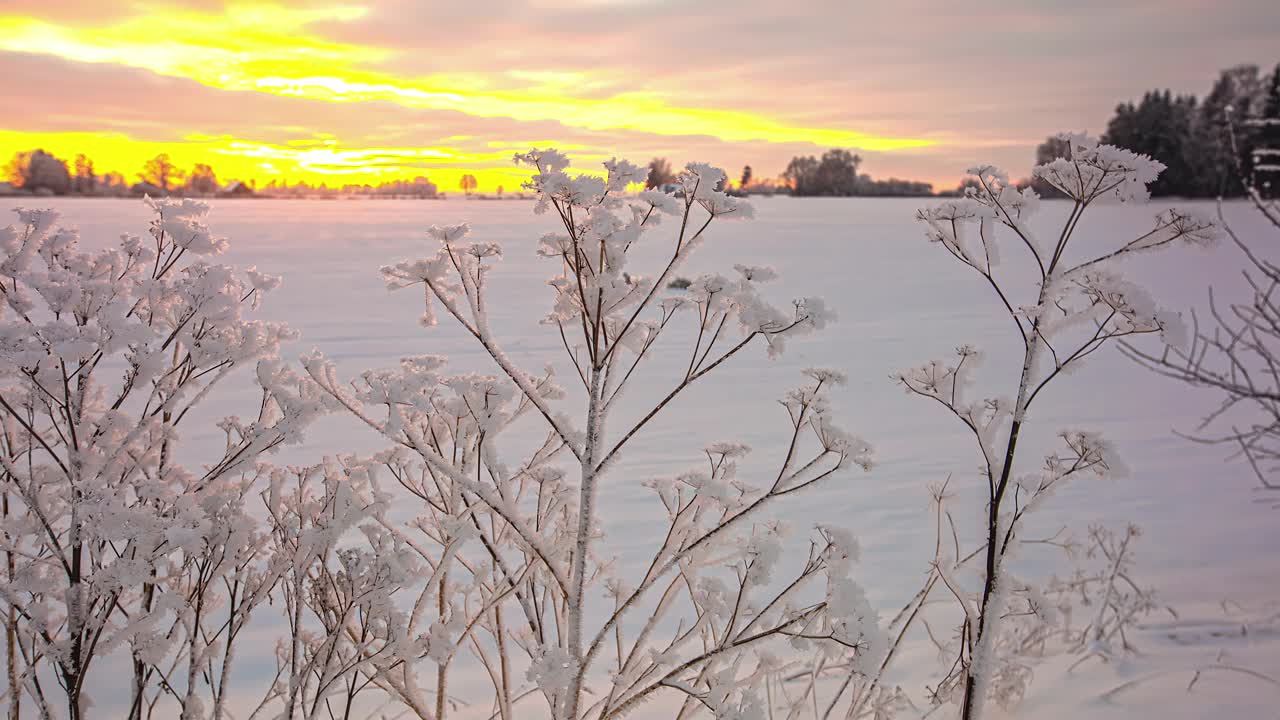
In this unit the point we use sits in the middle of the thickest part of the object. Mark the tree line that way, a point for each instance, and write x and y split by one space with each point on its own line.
42 173
1207 146
834 174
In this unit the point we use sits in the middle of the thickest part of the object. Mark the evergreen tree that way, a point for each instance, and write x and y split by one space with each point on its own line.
1160 126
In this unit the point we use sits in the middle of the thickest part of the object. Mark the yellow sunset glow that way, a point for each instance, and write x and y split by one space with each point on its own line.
237 159
282 52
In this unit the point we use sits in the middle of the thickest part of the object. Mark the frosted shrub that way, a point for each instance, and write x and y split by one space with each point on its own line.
113 543
338 596
516 570
1064 308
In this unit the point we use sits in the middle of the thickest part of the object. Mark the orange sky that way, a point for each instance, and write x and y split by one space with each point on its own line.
369 90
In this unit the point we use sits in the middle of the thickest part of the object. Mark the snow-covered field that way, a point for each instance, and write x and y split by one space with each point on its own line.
1209 545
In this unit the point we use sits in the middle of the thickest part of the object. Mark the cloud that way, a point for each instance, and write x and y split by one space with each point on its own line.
122 115
736 82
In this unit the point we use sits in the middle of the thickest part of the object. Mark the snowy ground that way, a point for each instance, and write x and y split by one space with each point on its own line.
1208 540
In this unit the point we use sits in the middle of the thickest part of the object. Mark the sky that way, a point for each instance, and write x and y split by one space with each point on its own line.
363 91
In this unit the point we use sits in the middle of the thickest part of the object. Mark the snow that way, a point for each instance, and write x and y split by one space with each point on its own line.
1209 538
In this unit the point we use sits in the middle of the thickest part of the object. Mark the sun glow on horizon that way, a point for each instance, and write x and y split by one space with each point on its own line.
278 51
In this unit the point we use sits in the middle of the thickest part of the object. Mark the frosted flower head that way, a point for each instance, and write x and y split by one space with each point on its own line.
1096 452
728 450
756 273
483 250
814 313
186 208
448 234
700 180
551 670
546 161
623 173
991 179
842 547
1189 226
262 281
722 206
38 219
1096 171
664 203
827 376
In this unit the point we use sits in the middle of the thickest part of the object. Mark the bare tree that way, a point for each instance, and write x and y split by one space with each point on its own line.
202 180
660 173
39 171
1236 350
85 181
161 172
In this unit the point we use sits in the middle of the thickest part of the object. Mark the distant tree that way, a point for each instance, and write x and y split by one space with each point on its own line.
838 172
800 173
468 183
422 187
835 174
113 183
39 171
162 173
969 183
202 180
660 173
746 177
893 187
1046 152
85 182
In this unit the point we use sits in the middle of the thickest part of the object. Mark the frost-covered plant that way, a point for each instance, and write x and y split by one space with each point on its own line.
338 597
113 542
517 552
1076 306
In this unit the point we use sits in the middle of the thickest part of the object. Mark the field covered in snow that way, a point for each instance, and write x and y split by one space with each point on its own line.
1208 544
